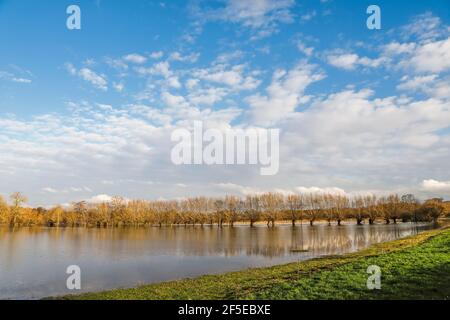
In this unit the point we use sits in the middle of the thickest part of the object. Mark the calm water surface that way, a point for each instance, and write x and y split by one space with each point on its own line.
33 261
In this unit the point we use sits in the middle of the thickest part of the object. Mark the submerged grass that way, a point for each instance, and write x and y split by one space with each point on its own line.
417 267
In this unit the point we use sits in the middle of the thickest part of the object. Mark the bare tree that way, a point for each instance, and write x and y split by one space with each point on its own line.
271 202
382 208
341 204
253 209
370 204
409 206
231 206
117 210
294 203
219 206
392 208
434 209
327 205
360 209
80 209
312 206
201 210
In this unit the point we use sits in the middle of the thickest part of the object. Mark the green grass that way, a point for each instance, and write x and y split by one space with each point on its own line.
416 267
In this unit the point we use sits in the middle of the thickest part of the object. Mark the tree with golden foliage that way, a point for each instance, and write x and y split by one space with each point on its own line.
271 207
17 199
55 216
433 209
4 211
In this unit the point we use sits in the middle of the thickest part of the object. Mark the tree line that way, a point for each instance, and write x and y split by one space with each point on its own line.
229 210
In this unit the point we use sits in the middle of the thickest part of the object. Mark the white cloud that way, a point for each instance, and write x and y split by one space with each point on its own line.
207 96
308 51
261 17
11 77
378 122
21 80
432 85
117 64
434 185
118 86
350 61
174 82
157 55
344 61
229 56
101 198
177 56
432 57
284 95
427 49
98 81
233 77
330 190
174 101
355 137
396 48
219 74
135 58
67 190
94 78
162 69
416 82
247 190
192 83
425 27
237 189
308 16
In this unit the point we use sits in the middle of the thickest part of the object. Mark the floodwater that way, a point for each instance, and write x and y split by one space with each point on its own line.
34 261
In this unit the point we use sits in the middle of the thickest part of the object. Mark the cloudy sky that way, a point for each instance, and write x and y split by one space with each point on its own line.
86 114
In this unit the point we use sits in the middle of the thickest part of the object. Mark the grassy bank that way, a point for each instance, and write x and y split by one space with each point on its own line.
416 267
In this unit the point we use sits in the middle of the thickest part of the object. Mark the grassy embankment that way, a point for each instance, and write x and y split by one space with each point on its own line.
417 267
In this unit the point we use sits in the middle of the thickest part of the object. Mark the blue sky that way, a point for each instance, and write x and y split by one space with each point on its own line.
89 112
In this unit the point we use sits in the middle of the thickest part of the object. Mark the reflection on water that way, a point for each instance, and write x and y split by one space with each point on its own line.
33 261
